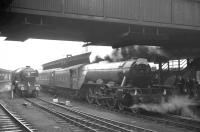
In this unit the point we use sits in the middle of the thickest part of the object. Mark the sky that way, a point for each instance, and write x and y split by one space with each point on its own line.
35 52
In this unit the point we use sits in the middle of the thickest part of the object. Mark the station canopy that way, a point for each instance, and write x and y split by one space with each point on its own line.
19 27
177 42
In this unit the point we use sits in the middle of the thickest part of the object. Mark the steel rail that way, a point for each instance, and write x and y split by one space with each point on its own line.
174 120
79 121
180 118
22 126
171 120
115 124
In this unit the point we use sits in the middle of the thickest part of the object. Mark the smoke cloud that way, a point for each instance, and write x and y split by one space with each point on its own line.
136 51
149 52
106 58
116 55
175 103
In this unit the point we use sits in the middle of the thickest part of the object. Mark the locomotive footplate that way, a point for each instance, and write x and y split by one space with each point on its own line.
103 97
130 96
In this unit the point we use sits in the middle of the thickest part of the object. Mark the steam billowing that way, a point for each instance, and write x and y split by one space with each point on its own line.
175 103
136 51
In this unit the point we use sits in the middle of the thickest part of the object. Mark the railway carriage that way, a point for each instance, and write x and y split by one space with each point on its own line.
120 84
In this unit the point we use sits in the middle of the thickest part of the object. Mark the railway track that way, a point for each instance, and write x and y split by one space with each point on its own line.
168 119
86 121
175 120
10 122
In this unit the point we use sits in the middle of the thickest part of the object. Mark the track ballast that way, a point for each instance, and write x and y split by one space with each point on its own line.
10 122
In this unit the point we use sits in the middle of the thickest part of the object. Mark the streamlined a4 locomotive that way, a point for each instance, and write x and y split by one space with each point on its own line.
120 84
24 81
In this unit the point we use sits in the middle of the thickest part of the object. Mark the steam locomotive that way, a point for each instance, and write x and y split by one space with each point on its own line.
24 81
115 84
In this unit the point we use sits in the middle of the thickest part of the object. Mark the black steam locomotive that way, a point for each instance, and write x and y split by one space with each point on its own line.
116 84
24 81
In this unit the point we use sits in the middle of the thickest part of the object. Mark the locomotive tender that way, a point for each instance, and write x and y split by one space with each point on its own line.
120 84
24 81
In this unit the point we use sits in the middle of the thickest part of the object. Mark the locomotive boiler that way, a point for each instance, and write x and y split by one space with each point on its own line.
24 81
116 84
132 73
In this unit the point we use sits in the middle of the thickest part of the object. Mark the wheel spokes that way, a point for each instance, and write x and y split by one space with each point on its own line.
100 102
98 94
111 103
121 106
90 96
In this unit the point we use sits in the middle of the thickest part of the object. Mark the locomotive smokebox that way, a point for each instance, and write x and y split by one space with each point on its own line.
24 81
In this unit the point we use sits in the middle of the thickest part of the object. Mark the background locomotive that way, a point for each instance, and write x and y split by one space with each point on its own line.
24 81
186 81
120 84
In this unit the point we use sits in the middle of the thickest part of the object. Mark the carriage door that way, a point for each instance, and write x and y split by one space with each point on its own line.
52 78
74 78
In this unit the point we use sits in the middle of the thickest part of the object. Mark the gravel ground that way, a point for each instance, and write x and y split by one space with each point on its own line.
116 116
45 122
39 119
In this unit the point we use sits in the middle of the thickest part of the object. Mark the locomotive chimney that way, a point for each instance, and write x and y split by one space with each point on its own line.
68 55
